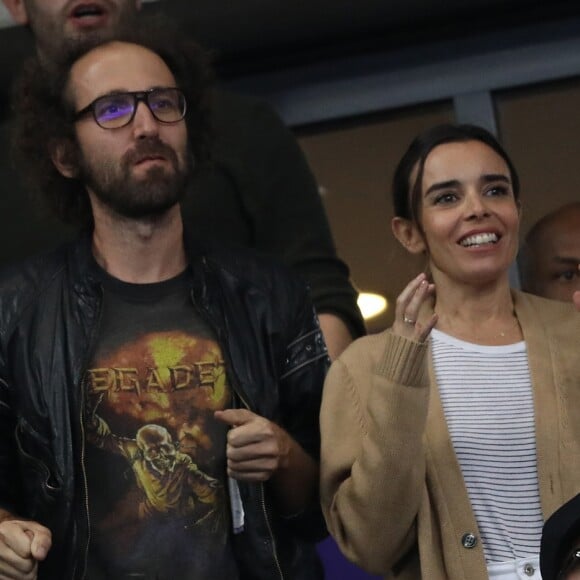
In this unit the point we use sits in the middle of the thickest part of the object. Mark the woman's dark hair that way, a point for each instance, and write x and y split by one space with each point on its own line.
407 195
44 117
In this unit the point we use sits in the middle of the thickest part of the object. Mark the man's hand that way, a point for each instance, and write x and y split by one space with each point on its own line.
256 447
259 450
22 545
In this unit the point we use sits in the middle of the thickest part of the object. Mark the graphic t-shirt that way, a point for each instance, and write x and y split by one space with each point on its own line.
155 455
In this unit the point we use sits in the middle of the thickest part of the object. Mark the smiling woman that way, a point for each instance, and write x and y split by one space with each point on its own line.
467 224
456 431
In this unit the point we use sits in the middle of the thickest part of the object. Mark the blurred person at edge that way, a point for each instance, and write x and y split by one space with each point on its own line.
464 417
549 259
258 192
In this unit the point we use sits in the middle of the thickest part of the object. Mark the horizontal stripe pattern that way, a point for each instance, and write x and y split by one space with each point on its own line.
488 403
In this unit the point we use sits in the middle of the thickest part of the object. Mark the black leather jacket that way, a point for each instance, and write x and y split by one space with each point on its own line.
49 319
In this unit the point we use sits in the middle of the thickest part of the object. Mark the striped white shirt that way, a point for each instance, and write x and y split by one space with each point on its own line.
487 399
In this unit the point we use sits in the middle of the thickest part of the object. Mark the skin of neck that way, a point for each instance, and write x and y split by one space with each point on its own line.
139 251
463 306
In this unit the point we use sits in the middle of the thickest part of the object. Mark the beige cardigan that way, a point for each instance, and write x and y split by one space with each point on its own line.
390 480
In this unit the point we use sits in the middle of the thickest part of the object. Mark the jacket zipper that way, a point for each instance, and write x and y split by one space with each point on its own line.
85 483
229 369
83 386
272 539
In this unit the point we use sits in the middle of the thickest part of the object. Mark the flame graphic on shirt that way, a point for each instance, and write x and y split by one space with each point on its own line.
160 374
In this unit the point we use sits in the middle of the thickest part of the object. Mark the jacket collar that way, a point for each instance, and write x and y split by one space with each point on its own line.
81 261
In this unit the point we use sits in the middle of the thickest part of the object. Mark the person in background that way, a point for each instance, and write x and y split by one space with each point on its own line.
159 396
549 259
560 549
258 192
448 438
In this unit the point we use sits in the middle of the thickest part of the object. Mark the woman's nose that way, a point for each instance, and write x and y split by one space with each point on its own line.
476 206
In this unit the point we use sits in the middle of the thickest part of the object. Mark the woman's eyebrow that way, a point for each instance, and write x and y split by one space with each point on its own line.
487 178
496 177
442 185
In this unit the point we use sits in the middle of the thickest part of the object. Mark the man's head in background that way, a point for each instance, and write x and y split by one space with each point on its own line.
549 258
65 116
62 26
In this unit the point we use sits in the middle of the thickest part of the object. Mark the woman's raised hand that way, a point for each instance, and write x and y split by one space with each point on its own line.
408 307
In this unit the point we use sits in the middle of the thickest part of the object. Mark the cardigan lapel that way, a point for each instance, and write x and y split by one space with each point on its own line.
449 492
548 434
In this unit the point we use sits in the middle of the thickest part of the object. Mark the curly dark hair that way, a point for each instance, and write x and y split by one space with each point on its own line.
43 117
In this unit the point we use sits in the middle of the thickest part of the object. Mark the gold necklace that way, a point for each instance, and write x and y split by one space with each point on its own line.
501 334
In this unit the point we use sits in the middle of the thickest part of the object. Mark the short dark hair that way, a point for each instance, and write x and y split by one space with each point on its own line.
44 116
406 196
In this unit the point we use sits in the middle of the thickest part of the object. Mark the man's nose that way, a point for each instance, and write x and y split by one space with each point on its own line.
144 123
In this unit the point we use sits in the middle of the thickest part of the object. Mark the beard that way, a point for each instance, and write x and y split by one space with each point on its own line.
57 42
148 196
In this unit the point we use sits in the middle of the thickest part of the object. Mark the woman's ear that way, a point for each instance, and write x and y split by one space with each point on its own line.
64 158
408 234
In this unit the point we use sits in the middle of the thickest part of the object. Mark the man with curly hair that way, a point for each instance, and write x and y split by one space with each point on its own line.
259 191
213 357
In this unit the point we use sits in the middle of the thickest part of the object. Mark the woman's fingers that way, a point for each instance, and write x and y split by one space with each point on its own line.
408 306
425 330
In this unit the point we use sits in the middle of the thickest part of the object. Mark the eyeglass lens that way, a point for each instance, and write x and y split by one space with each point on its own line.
113 111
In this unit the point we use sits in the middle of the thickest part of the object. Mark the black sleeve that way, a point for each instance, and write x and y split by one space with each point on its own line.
304 366
281 198
10 498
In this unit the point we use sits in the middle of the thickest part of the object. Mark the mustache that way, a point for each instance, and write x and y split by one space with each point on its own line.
149 147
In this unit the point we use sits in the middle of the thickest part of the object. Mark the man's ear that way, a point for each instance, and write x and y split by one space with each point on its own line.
17 10
64 157
408 234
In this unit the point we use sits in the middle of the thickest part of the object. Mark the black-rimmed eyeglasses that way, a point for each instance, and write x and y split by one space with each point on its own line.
116 110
